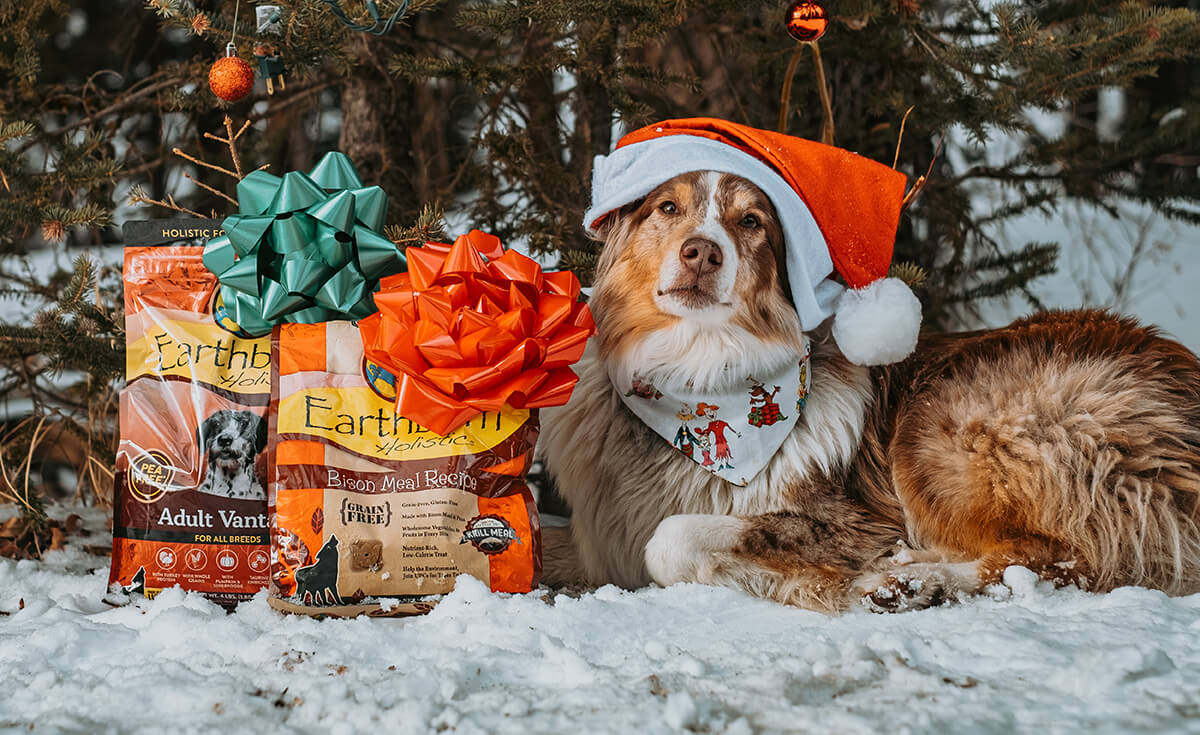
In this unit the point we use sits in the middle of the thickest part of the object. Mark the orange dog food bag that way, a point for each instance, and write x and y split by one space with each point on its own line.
375 514
190 498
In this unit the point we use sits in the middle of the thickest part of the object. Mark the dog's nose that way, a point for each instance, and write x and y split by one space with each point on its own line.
701 254
224 440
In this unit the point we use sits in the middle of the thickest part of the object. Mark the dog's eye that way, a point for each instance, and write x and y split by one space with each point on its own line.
750 222
668 207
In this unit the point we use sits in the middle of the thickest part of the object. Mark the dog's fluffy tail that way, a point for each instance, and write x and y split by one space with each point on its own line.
1079 442
1115 476
1143 528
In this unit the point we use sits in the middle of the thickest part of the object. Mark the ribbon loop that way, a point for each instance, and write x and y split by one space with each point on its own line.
303 247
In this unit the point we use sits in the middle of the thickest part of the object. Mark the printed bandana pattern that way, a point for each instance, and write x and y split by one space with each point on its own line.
731 434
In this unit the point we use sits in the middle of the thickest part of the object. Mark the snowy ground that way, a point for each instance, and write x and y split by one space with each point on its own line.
687 658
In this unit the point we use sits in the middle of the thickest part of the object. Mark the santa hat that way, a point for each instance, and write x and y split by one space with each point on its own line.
839 212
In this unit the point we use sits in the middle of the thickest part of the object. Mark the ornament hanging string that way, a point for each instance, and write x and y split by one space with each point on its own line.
378 26
806 22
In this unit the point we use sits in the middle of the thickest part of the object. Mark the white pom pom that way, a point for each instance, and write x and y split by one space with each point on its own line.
877 324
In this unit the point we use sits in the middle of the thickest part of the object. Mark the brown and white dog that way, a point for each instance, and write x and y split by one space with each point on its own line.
1068 442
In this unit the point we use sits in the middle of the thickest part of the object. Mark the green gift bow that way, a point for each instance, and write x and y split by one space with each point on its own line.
303 248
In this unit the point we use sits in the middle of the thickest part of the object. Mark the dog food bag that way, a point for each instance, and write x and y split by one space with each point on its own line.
372 512
190 504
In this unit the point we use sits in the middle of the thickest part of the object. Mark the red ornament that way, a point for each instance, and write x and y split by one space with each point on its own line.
231 78
807 20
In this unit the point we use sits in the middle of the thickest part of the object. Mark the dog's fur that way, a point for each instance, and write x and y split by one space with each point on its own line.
231 441
1067 442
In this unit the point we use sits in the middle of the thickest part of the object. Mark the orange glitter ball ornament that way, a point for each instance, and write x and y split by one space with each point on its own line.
806 20
231 78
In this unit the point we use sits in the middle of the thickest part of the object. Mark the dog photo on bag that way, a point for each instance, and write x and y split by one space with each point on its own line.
909 470
231 442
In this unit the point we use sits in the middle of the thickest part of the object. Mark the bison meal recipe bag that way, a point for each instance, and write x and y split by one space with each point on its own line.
375 514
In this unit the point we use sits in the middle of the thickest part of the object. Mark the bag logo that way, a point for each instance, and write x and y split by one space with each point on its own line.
381 381
490 534
150 475
373 514
222 319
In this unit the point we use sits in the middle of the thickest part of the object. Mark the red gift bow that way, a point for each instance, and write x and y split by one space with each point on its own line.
472 326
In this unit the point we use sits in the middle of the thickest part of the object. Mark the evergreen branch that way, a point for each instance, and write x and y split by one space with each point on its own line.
126 101
430 226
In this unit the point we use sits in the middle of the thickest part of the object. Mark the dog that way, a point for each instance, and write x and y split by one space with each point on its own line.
231 441
1066 442
316 584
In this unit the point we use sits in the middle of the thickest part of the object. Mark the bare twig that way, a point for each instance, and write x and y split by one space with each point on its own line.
210 189
785 95
169 204
230 139
9 489
206 164
919 186
900 137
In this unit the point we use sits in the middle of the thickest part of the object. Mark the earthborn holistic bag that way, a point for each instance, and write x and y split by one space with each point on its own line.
400 443
190 504
369 505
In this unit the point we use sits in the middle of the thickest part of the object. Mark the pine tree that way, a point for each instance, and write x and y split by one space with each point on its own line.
494 110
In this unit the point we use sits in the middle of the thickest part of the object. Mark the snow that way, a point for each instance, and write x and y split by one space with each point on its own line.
683 659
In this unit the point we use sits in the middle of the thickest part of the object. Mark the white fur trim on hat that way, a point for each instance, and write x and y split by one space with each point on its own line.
633 171
877 324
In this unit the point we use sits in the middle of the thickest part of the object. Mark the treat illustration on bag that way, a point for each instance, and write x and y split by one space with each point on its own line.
399 446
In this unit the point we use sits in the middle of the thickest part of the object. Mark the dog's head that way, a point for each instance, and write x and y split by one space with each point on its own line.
691 285
232 439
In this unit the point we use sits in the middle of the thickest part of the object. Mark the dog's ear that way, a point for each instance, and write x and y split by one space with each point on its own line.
615 220
260 433
613 232
605 227
208 429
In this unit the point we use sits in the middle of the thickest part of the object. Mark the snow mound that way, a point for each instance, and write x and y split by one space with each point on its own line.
683 659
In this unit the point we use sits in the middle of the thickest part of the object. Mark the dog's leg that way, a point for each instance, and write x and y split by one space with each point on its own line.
792 558
561 566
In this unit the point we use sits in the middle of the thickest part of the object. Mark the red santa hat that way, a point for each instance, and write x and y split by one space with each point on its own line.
839 213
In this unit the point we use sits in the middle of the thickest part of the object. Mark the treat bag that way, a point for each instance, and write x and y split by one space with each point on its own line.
374 513
190 499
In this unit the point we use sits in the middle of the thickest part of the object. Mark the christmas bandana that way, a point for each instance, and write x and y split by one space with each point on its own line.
731 434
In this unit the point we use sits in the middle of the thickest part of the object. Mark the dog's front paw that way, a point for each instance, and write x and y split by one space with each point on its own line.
916 586
901 592
689 548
